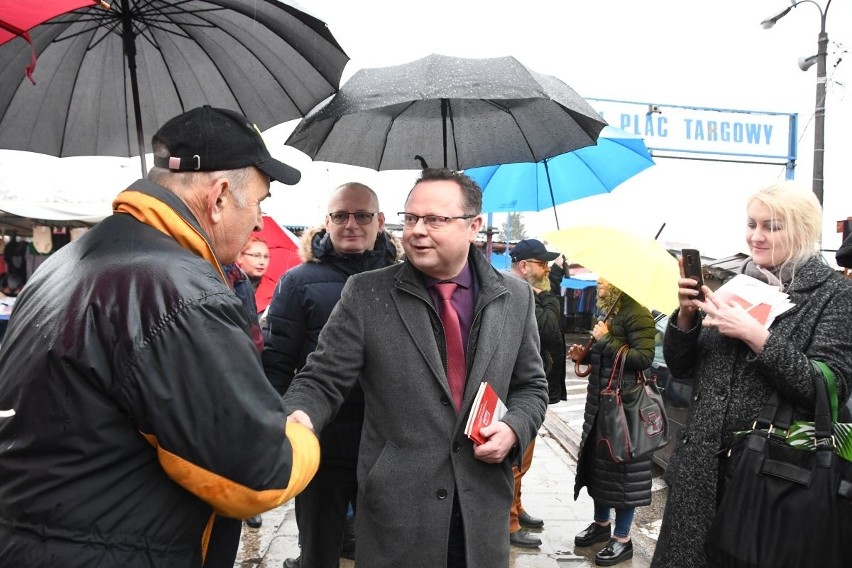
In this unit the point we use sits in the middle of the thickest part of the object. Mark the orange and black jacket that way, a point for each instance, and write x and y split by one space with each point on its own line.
135 401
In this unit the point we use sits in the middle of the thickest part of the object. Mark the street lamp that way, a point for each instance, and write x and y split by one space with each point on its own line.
804 65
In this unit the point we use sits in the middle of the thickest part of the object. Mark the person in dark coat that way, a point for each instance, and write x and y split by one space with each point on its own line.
620 486
843 256
736 363
427 496
136 402
557 390
352 241
530 263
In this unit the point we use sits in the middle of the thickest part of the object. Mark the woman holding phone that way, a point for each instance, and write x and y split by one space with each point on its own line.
736 363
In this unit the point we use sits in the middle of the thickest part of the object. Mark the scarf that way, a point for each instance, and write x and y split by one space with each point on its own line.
154 213
780 276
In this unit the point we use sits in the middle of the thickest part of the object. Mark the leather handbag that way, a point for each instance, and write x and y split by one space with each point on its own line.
783 506
631 421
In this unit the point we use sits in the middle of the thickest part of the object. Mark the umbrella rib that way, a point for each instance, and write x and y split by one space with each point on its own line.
404 108
70 99
452 132
521 130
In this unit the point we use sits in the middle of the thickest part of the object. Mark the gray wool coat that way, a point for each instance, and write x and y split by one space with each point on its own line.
414 457
731 386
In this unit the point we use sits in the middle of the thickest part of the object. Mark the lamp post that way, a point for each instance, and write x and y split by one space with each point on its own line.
819 108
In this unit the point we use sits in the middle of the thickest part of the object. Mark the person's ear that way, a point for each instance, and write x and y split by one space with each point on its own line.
381 217
217 198
475 226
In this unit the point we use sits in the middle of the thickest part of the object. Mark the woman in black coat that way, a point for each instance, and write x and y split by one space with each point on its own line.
735 363
619 486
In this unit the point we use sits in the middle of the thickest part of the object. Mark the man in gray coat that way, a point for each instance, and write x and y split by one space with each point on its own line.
427 495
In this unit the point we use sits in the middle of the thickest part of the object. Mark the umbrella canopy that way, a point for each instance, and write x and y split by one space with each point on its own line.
533 186
107 77
283 255
451 111
639 266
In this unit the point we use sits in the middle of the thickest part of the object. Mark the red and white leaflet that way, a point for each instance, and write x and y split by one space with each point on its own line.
763 301
486 408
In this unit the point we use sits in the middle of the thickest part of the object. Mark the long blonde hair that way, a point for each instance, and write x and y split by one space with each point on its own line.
800 210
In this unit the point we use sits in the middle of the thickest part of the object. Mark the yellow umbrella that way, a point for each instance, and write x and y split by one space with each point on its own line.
640 266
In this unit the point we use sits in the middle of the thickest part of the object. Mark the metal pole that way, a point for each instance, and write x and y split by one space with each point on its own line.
129 43
552 199
819 112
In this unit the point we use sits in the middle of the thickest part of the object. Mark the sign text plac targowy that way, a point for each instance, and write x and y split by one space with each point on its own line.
681 129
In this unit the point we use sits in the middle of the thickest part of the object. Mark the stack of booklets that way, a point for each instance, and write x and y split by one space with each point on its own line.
487 407
763 301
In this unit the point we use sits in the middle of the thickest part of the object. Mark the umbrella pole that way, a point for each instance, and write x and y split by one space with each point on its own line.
130 52
550 188
444 104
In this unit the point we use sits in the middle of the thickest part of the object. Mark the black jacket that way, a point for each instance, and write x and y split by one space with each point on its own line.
140 404
625 484
548 316
300 307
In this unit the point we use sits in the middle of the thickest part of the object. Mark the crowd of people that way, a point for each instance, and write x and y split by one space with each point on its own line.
147 412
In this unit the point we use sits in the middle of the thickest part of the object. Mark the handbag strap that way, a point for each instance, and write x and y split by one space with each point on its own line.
778 413
826 411
831 386
618 367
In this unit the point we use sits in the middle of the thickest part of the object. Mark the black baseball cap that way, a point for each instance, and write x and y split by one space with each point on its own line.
531 249
209 139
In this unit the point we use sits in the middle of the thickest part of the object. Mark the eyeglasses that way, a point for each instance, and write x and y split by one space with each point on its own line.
434 221
540 262
257 255
342 217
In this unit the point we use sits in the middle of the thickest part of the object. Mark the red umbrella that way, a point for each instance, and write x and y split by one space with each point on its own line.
283 255
17 18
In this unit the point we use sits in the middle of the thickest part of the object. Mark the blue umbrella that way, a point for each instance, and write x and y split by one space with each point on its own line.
534 186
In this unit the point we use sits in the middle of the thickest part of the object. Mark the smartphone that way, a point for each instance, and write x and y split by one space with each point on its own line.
692 269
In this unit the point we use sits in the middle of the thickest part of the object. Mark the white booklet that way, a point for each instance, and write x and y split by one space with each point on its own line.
763 301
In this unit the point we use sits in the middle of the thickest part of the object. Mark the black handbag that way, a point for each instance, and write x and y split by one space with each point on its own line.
631 421
782 506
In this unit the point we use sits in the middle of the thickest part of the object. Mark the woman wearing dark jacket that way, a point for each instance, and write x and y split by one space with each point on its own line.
619 486
735 363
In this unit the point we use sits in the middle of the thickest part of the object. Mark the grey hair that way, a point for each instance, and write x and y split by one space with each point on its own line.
181 180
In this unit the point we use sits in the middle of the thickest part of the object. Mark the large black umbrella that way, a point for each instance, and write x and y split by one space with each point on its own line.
450 111
107 77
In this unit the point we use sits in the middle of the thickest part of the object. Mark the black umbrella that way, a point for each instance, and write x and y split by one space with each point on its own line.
450 111
264 58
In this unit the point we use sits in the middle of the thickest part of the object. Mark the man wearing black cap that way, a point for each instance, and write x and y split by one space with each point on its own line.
530 261
137 406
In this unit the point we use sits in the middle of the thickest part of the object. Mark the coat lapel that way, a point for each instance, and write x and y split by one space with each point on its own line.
414 307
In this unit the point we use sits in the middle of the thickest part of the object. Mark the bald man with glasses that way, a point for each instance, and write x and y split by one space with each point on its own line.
351 241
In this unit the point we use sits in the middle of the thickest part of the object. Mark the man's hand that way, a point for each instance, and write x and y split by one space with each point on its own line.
500 439
299 417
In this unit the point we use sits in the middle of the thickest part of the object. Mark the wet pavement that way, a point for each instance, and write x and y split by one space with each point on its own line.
547 494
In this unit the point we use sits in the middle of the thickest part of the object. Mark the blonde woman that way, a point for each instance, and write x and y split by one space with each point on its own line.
735 363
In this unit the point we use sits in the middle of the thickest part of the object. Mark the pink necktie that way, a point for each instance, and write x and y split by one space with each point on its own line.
455 350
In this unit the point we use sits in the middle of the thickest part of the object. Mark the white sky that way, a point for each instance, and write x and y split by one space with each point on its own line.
709 54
